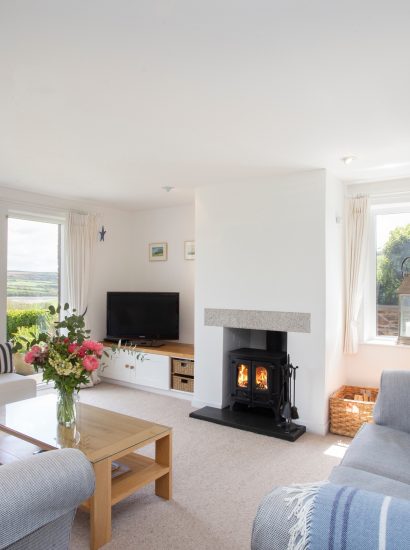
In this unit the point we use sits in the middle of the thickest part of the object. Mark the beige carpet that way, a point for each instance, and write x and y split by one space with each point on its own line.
220 475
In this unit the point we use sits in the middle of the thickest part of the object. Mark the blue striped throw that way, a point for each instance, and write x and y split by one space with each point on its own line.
345 518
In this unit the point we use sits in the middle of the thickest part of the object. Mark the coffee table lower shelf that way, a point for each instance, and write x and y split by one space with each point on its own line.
143 470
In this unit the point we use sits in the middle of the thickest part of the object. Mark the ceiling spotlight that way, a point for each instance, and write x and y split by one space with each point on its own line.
168 188
348 160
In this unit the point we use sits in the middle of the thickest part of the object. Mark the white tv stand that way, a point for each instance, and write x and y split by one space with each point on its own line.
155 371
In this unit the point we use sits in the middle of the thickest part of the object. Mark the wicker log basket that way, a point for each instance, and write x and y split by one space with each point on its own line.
350 407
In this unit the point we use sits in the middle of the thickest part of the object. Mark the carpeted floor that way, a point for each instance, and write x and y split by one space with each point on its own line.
220 475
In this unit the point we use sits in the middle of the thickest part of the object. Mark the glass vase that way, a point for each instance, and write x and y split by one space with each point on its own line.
67 437
66 407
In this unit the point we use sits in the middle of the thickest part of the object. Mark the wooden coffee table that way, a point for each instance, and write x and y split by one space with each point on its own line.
103 436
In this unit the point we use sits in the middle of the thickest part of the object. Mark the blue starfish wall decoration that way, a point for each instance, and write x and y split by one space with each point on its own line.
102 233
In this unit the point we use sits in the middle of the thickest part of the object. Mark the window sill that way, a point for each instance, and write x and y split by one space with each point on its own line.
390 343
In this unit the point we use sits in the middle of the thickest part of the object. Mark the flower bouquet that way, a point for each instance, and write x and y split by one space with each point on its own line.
66 356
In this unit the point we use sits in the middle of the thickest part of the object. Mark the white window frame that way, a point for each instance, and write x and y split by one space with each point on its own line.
369 325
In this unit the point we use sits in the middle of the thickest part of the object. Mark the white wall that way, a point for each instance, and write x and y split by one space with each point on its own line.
335 366
121 261
263 247
365 367
113 264
112 268
174 226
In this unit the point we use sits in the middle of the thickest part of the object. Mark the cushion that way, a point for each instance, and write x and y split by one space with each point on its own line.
393 404
382 451
6 358
344 475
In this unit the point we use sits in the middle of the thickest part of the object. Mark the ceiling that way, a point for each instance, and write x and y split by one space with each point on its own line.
111 100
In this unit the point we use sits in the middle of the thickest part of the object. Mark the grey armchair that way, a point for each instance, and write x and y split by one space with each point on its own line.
39 497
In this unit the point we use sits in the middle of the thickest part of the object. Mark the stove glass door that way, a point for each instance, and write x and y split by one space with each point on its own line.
242 375
261 378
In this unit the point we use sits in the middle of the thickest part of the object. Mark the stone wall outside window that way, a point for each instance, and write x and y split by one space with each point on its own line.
387 320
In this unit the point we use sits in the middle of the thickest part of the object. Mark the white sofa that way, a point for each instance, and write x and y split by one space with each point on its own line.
15 387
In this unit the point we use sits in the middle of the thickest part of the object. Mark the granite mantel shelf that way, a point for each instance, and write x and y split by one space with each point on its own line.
285 321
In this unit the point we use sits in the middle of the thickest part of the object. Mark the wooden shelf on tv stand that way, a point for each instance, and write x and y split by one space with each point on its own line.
170 349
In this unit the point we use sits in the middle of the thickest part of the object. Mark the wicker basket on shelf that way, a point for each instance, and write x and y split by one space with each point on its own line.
182 383
350 407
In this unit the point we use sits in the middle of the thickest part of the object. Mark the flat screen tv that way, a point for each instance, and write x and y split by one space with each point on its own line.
142 315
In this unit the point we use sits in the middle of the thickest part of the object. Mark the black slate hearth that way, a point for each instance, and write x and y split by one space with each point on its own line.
259 422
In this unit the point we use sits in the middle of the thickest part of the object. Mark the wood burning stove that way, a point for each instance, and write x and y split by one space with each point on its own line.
259 386
256 378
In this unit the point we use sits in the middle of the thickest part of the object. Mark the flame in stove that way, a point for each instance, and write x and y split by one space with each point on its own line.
261 378
242 376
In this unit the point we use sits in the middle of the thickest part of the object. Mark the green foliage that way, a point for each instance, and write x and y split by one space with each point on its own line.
115 350
23 336
26 318
73 325
389 263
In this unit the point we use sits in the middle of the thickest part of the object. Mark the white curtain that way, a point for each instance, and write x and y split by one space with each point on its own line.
81 238
357 229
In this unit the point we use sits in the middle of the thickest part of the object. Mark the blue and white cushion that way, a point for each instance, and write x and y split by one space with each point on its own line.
6 358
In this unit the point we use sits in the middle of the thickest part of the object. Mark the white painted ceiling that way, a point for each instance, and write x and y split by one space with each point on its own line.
112 99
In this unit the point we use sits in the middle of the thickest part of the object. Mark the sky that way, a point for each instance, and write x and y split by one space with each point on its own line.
387 222
32 246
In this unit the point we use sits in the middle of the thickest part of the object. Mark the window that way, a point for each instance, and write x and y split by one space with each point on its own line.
390 246
33 274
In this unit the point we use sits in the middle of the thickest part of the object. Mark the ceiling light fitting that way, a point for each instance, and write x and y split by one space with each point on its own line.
348 160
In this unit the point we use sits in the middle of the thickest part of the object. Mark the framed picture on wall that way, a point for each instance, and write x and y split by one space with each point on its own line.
189 250
158 252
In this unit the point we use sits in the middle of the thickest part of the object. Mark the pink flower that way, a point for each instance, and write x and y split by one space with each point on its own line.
32 354
72 348
90 363
29 357
91 345
81 351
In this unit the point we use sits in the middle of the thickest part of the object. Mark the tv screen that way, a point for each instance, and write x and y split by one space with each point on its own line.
143 315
